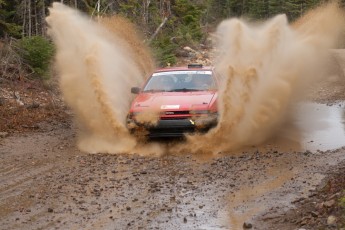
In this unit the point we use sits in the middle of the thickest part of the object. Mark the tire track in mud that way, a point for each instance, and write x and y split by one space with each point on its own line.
26 159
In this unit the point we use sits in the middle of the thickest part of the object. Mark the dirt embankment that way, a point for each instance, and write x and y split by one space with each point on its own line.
26 103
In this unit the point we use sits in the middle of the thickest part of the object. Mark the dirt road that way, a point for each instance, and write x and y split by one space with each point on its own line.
46 183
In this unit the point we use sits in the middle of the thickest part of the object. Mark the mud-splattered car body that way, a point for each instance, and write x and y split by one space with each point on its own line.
175 101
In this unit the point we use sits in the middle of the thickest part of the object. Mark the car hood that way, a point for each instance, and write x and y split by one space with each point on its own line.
173 101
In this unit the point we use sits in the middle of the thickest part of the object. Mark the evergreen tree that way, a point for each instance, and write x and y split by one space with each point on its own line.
295 8
258 9
7 19
187 18
276 7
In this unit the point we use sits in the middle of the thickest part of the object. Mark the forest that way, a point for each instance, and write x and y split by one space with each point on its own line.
166 25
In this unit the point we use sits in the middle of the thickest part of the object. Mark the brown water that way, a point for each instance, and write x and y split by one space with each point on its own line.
314 127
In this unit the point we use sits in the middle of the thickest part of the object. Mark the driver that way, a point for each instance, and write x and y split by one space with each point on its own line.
165 83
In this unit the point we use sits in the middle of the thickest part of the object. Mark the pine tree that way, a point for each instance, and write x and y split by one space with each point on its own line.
276 7
295 8
258 9
8 25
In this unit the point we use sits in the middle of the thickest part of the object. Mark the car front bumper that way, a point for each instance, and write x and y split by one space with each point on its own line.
173 127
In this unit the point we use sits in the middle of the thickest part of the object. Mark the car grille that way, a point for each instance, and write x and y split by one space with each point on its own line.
174 112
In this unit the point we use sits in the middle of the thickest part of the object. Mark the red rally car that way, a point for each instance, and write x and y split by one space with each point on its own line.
184 99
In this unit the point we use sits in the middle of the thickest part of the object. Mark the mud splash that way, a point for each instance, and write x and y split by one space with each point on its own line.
97 67
263 70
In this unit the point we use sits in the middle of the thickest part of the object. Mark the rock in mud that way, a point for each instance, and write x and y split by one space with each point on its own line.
331 220
329 203
314 214
33 106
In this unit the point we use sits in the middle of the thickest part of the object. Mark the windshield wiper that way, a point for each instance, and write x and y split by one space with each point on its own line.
154 90
183 90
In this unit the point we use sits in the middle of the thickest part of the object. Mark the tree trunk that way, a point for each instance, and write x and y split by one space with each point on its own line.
36 21
43 22
98 7
146 5
24 18
29 17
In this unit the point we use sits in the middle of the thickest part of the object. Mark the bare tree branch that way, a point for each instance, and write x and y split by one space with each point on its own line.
158 29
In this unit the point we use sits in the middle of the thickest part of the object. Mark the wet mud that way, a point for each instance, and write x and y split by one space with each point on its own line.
46 182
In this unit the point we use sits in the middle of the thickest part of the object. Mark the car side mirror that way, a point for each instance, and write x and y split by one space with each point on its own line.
135 90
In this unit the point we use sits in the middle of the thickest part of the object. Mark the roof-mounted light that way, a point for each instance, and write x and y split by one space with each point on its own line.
195 65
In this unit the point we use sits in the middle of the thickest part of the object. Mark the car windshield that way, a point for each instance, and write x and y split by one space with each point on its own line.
180 81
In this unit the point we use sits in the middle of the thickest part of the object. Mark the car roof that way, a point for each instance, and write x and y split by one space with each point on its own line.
184 68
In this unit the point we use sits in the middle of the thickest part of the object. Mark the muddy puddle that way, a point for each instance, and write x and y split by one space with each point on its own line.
315 127
322 126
